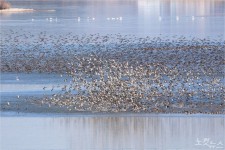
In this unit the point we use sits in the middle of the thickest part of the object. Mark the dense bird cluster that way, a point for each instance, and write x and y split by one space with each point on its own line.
119 73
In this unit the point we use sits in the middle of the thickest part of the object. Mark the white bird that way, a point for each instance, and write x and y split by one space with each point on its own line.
18 96
32 19
8 103
93 18
193 18
121 18
17 78
177 18
78 19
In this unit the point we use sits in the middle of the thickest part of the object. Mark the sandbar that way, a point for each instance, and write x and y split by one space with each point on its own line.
16 10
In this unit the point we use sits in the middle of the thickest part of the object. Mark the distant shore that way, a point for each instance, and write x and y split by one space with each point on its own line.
16 10
22 10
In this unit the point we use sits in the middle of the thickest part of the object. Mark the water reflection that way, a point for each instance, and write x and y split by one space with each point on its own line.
140 17
182 7
110 132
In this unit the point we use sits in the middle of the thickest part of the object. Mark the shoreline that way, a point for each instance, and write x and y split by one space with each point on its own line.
28 107
16 10
103 114
22 10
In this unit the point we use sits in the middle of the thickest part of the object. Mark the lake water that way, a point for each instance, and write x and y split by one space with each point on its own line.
200 18
110 132
189 18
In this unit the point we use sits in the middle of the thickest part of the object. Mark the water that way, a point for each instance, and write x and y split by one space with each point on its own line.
25 85
193 18
93 132
189 18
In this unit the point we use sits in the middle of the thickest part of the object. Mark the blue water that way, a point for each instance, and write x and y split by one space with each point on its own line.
166 18
96 132
202 18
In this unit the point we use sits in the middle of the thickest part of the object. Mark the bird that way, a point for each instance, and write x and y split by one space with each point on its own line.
17 78
135 74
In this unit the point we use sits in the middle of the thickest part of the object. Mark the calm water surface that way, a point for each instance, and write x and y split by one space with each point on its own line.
27 86
101 132
200 18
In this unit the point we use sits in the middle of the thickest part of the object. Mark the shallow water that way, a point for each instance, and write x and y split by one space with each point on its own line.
200 18
149 132
26 85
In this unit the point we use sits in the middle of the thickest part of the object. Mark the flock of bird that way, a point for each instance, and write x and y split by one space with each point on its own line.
78 19
120 18
123 73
